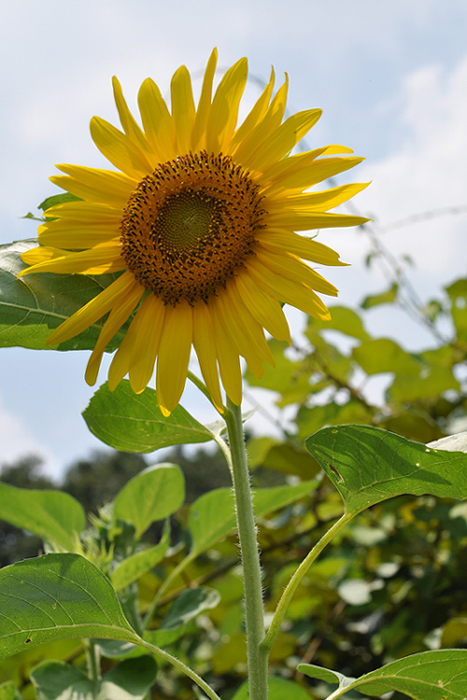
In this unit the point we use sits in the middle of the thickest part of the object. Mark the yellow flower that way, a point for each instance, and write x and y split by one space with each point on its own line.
201 219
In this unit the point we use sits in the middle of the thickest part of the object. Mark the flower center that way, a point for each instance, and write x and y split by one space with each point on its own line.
190 225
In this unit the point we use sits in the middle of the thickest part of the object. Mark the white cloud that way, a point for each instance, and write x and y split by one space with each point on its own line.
428 172
16 442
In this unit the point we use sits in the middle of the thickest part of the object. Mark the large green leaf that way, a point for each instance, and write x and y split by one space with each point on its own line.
57 596
134 422
32 307
429 675
53 515
129 680
212 516
368 465
153 494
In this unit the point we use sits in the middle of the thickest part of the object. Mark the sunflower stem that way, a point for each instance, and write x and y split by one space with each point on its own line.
257 655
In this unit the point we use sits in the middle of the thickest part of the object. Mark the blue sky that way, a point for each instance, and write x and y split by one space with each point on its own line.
390 77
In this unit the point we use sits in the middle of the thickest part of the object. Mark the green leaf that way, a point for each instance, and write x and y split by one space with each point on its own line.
183 610
431 382
129 680
132 422
8 691
32 307
53 515
133 567
429 675
56 679
458 295
368 465
344 320
384 355
284 457
188 605
57 199
454 632
383 298
57 596
212 516
153 494
323 674
279 688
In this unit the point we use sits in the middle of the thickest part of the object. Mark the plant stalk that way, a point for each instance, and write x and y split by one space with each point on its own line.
257 655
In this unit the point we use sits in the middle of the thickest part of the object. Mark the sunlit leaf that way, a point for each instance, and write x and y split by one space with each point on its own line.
53 515
57 596
344 320
129 680
32 307
429 675
132 422
368 465
153 494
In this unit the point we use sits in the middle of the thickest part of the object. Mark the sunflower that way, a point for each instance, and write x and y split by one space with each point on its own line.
201 220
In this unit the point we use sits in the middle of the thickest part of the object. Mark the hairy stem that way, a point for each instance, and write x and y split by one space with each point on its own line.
257 655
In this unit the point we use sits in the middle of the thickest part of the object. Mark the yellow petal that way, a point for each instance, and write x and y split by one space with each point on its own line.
174 356
239 338
265 128
129 124
285 290
228 359
76 236
250 329
295 270
103 258
279 241
267 311
316 201
119 150
301 220
96 185
157 121
183 109
85 212
224 110
204 341
94 309
283 140
303 177
117 317
151 319
204 104
254 116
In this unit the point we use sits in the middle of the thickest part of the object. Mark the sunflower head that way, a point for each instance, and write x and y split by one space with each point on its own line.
203 219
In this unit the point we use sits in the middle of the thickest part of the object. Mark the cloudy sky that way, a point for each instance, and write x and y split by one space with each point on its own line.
392 81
